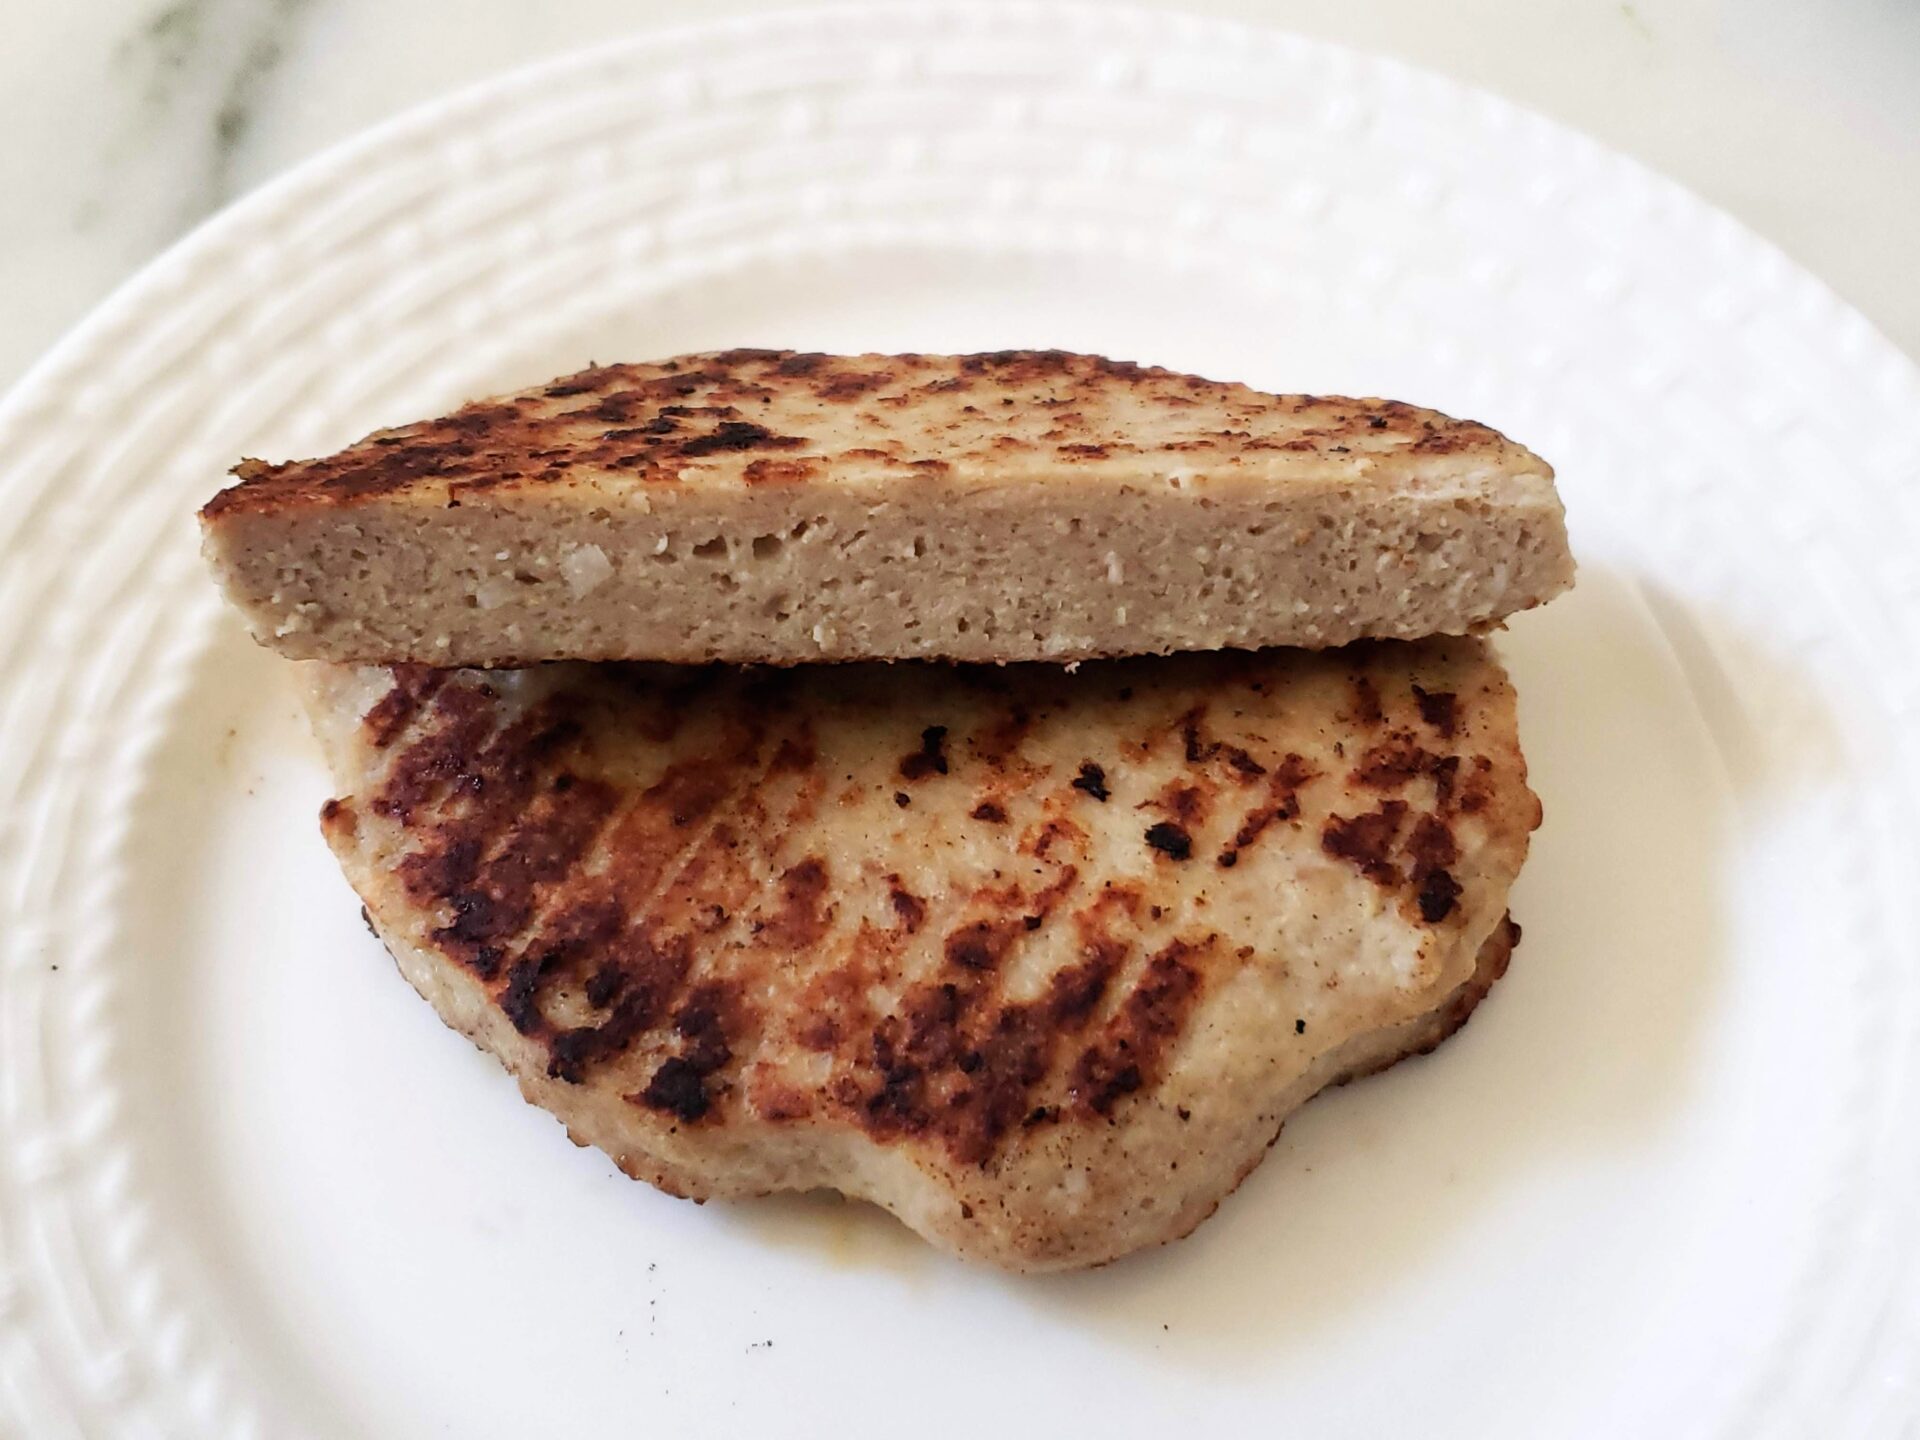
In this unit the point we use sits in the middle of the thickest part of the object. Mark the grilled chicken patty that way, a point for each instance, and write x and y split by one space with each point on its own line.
1037 960
762 505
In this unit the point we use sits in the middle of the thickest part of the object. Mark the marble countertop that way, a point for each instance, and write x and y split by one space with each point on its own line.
131 120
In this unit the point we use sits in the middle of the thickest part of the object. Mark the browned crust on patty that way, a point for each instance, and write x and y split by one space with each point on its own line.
765 929
775 417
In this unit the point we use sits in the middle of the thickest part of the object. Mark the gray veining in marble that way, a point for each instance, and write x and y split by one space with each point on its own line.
124 122
199 69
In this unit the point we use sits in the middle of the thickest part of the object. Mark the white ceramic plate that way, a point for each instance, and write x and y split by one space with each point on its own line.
1664 1184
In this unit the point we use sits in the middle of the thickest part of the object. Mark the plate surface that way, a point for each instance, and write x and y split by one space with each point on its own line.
1662 1185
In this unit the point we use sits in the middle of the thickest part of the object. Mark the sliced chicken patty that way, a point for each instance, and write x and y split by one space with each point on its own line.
1037 960
762 505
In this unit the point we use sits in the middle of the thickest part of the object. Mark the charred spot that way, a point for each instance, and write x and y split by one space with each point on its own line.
902 799
477 916
930 758
677 1089
1366 840
735 435
1440 709
1446 770
1438 892
1106 1080
1092 780
989 811
1084 451
1170 839
605 984
517 997
706 1024
800 366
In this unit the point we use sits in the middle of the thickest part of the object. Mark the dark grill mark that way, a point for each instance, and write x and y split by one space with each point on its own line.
413 686
650 971
1130 1053
1367 840
1392 763
459 719
1283 803
902 1000
556 833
